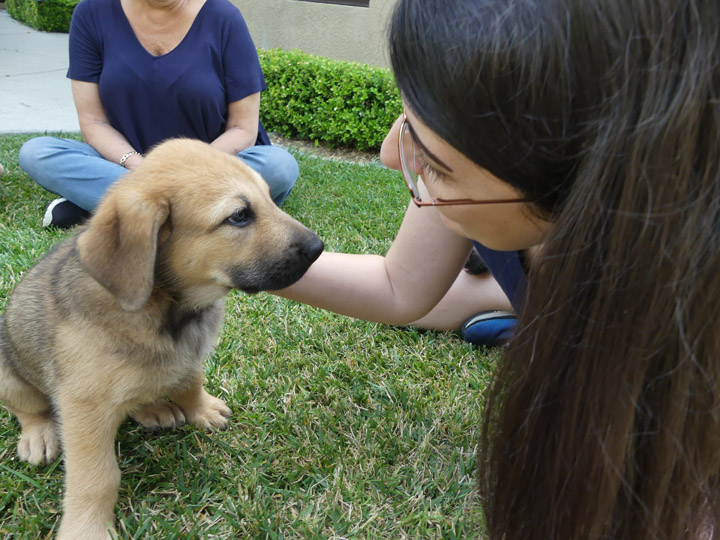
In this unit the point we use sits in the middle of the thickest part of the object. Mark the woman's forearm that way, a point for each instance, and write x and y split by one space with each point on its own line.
110 143
96 128
242 125
399 288
358 286
234 140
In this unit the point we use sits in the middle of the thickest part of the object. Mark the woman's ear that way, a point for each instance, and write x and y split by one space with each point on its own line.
389 150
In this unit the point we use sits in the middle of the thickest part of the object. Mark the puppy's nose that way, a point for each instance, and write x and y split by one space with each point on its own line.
312 248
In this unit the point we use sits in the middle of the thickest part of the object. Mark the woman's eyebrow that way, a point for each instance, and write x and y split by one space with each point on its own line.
425 150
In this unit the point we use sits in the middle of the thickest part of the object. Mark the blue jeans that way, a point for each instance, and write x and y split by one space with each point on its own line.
76 171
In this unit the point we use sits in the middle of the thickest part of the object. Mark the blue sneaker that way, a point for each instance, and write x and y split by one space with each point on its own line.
490 328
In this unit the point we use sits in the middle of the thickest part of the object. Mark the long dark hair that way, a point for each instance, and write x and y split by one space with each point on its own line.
603 419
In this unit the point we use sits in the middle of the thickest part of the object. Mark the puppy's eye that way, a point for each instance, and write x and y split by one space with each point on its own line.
240 218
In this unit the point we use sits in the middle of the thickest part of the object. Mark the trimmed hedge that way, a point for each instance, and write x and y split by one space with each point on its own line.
46 15
337 102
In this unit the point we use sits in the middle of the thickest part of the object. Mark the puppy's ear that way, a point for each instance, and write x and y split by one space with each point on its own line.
118 248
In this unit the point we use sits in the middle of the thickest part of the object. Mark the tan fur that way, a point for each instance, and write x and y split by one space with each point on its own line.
120 317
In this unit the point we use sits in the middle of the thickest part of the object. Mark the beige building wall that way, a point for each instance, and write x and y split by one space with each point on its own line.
336 31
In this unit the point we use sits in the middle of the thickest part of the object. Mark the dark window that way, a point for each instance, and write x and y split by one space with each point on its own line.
360 3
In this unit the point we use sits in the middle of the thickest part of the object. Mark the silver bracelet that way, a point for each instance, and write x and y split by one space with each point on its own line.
127 155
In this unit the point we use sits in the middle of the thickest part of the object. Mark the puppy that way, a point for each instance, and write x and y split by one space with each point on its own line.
120 316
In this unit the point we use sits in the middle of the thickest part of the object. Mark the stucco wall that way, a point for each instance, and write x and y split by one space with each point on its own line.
335 31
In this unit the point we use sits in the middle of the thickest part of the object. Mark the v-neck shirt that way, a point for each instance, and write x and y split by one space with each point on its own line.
183 93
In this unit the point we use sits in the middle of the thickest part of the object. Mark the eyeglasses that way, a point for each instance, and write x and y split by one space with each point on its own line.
411 177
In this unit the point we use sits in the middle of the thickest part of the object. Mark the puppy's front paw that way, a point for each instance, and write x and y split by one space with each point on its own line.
159 414
39 443
209 413
82 530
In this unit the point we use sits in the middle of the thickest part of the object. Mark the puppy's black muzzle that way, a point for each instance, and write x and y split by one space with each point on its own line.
290 266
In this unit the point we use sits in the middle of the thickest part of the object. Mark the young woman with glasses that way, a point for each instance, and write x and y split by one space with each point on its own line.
592 128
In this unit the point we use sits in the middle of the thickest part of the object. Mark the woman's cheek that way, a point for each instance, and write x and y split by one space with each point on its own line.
504 231
449 217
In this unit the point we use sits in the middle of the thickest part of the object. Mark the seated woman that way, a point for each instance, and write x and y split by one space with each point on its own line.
146 70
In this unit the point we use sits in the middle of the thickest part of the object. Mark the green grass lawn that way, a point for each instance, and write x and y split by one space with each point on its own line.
340 428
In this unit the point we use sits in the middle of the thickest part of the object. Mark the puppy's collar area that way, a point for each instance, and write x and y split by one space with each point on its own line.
179 321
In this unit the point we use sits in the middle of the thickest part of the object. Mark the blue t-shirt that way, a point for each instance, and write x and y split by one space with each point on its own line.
184 93
507 269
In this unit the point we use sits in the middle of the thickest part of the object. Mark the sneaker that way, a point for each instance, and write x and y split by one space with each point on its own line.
490 328
64 214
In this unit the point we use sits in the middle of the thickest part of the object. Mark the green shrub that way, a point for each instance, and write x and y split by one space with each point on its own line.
337 102
46 15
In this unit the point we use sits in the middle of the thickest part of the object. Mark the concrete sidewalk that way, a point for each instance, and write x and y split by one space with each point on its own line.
35 95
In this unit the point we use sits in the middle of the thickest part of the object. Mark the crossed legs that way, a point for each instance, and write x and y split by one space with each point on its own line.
76 171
